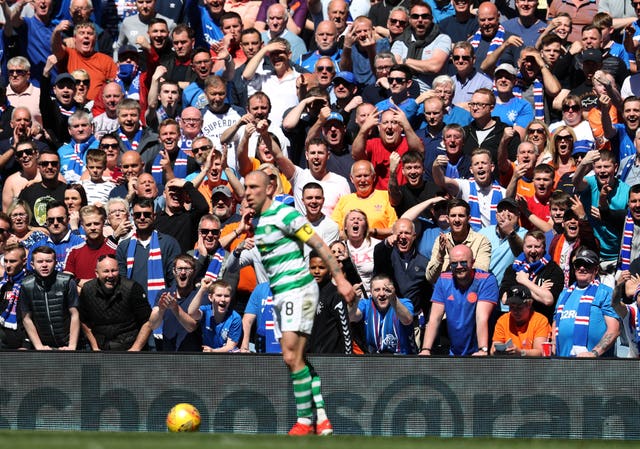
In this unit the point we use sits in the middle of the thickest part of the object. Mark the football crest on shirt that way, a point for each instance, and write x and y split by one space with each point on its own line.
472 297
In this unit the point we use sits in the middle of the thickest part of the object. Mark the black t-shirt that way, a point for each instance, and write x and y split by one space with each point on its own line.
331 331
38 196
412 196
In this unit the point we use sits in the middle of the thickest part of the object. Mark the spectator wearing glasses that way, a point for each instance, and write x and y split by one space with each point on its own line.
379 91
175 220
81 77
513 111
475 295
424 49
61 238
485 131
467 79
171 309
585 323
119 224
209 252
190 127
572 116
325 70
326 39
113 310
56 109
462 24
50 188
26 155
397 23
147 257
400 82
20 91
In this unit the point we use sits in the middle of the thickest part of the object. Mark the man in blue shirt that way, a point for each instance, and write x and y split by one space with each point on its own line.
468 297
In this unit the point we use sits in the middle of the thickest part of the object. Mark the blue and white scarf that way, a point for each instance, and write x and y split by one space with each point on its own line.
476 217
66 112
383 331
625 248
79 154
581 321
8 318
215 266
133 91
130 144
155 272
538 95
497 40
531 268
179 167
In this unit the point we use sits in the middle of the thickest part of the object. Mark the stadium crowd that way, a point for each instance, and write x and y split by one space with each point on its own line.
473 166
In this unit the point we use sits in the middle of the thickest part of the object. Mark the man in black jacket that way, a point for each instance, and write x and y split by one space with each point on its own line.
48 304
114 310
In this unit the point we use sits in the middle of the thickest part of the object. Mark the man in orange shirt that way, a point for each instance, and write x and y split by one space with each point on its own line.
524 328
84 56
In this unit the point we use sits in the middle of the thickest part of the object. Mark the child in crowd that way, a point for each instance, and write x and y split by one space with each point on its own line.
96 186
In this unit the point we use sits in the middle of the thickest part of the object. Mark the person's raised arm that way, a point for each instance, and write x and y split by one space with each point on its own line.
203 292
312 239
444 182
244 162
413 141
395 194
491 60
253 63
57 47
358 148
583 168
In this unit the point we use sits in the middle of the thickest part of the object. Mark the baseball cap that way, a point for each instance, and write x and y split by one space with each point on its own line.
335 116
508 203
511 70
127 49
62 77
518 294
224 190
347 76
582 146
592 54
587 256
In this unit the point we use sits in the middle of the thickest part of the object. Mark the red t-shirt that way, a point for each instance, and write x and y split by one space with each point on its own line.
379 157
82 260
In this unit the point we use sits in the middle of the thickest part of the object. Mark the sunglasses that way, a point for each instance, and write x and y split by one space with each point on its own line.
83 82
142 214
325 68
402 23
536 131
461 57
48 163
581 264
52 220
21 153
214 232
461 264
398 80
107 146
17 72
571 108
421 16
199 149
566 137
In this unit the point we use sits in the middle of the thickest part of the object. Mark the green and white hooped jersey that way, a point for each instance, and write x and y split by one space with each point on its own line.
281 251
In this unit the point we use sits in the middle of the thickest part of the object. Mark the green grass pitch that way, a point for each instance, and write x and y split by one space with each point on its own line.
19 439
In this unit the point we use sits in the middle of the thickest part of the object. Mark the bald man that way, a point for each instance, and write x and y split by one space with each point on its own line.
468 296
492 40
132 166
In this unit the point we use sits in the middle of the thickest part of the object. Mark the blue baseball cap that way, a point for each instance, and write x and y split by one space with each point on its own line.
346 76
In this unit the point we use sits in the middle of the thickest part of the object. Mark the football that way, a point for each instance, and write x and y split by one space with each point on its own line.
183 418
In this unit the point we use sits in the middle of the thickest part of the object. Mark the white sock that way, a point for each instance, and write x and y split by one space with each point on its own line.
322 415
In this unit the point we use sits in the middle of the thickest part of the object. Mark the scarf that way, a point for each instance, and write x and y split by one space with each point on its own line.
79 151
557 258
133 91
66 112
533 268
179 167
383 331
215 266
476 218
155 272
625 249
131 145
581 321
8 318
497 40
416 46
538 95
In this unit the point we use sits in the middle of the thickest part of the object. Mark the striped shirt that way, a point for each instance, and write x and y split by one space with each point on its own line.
281 251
